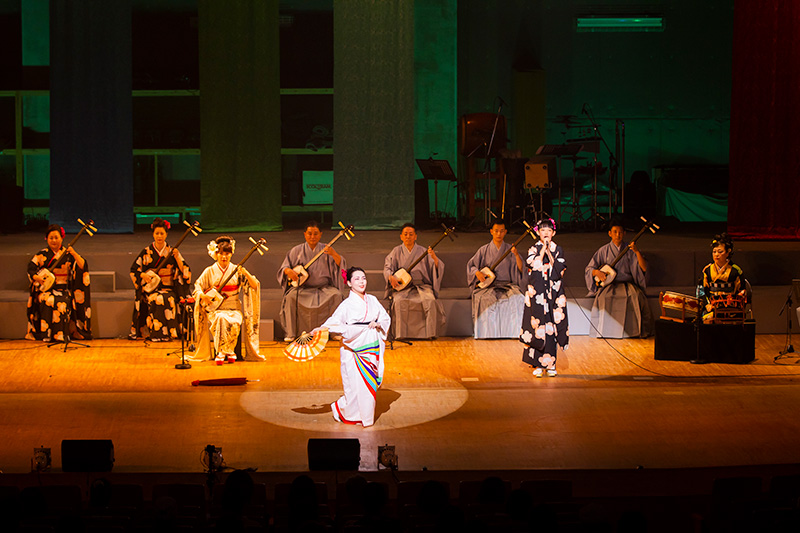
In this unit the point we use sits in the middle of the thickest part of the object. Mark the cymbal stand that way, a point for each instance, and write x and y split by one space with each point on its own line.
487 195
587 110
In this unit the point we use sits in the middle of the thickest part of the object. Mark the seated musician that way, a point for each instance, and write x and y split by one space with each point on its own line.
721 277
239 311
620 308
496 309
417 313
66 306
305 307
156 308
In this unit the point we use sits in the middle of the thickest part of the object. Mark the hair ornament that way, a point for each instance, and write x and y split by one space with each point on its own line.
212 249
213 246
63 233
158 222
722 239
552 224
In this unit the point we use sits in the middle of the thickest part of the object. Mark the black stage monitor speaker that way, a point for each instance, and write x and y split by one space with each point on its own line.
334 454
87 455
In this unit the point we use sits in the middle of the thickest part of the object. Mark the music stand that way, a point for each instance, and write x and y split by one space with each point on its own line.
436 169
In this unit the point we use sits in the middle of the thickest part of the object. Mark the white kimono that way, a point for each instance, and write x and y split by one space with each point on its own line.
222 326
305 307
418 314
497 309
361 356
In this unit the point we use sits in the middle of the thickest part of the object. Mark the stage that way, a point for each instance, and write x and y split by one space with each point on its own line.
454 403
448 404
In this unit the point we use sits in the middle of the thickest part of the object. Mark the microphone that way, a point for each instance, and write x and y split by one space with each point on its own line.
503 102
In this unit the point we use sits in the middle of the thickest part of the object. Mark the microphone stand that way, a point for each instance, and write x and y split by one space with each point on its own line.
67 338
786 307
187 321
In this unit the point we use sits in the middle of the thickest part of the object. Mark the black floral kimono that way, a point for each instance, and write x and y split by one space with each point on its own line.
544 318
159 311
67 305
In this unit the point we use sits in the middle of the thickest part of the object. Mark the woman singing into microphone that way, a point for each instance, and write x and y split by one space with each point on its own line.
544 318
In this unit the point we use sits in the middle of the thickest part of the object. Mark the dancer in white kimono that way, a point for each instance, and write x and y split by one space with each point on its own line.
496 309
363 323
305 307
234 315
620 309
417 313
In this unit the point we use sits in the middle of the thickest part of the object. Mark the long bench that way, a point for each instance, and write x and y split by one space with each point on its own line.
770 273
111 311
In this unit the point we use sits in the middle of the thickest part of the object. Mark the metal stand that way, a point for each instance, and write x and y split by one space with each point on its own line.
187 305
587 110
787 306
436 169
563 151
67 339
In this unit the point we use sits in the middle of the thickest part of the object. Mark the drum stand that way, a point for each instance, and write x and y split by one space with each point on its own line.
67 340
573 208
538 214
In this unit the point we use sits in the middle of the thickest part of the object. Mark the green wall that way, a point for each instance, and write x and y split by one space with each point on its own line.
671 88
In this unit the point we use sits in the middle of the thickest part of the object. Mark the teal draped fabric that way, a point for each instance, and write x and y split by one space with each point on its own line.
240 176
373 113
91 164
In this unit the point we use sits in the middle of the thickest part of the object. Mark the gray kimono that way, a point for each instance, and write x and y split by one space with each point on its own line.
308 306
497 309
418 314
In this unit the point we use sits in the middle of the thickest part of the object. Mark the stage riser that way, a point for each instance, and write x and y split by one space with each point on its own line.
676 268
112 312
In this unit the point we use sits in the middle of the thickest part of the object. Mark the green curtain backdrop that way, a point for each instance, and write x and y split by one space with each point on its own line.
373 112
436 89
240 139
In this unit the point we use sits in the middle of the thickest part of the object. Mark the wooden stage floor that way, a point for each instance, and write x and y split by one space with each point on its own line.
449 404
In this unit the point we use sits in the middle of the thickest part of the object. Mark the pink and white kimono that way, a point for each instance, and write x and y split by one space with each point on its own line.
361 356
